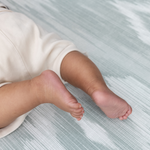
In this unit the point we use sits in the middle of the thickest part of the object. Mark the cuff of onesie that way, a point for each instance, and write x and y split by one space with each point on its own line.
5 83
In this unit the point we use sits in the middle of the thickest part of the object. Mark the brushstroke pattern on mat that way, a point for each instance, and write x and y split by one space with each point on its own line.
116 36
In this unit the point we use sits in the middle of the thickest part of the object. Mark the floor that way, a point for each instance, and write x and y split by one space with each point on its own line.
116 36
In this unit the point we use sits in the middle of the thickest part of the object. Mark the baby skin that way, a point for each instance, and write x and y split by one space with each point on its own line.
84 74
21 97
53 91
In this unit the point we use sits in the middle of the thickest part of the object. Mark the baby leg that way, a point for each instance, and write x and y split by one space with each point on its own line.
81 72
20 97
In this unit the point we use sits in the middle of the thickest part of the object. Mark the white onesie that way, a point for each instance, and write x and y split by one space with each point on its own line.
25 52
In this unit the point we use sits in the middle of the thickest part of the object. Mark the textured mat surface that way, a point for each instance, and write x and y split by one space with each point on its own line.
116 36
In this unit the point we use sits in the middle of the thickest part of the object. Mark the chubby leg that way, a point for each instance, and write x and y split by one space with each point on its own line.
15 100
21 97
81 72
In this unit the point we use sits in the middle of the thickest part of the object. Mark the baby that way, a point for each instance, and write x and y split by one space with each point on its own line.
33 66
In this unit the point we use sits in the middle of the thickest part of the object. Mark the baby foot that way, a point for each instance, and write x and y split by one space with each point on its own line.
53 91
112 105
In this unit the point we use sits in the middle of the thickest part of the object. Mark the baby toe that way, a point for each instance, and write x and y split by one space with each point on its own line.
78 114
121 118
78 110
78 117
124 117
75 105
130 110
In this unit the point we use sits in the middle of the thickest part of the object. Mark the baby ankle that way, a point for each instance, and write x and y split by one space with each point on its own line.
37 89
